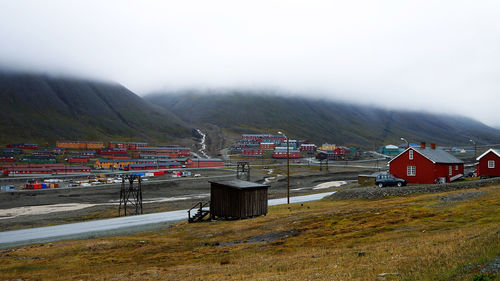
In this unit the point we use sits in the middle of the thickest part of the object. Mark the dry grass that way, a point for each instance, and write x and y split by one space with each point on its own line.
409 238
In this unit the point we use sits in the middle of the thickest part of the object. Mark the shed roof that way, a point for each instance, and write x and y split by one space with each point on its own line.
239 184
496 151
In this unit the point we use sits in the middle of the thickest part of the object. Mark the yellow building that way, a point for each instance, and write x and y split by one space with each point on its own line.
328 147
119 164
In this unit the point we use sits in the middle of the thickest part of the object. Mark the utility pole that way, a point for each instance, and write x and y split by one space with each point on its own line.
287 167
407 143
475 149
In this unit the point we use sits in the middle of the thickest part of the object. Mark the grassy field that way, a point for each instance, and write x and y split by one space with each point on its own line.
445 236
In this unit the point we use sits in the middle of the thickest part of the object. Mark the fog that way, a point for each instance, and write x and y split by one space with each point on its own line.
439 56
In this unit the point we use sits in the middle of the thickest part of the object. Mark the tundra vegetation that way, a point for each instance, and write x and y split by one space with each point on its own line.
441 236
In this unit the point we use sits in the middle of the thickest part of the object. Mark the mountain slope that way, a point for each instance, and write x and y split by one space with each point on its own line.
45 109
321 121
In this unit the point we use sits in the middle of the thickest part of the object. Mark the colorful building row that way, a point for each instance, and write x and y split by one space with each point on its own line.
112 151
308 147
89 145
45 171
203 163
7 158
171 151
119 164
260 137
127 145
281 152
23 145
38 159
255 152
77 159
148 163
155 166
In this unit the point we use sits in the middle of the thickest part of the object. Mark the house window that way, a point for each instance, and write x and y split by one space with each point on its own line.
451 171
410 154
456 167
411 171
491 164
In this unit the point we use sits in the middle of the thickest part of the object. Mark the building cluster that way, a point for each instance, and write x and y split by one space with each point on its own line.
427 165
25 170
393 150
334 152
255 145
128 156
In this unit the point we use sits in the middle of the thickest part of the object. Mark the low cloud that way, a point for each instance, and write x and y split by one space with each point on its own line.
438 56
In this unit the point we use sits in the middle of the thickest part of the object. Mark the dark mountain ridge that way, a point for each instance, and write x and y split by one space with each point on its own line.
39 108
320 120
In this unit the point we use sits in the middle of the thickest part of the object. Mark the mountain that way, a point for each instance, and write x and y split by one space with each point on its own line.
320 120
39 108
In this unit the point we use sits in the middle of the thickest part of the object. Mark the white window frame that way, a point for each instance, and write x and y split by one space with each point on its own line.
456 167
410 154
450 172
491 164
411 171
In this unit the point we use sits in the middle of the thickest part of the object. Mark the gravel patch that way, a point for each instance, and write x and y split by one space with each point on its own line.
377 192
492 267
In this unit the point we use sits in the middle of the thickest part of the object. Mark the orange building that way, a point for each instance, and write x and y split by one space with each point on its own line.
80 144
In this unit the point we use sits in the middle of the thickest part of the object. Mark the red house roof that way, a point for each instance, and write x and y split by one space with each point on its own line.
434 155
496 151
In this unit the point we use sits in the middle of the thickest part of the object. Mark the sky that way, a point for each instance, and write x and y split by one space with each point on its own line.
438 56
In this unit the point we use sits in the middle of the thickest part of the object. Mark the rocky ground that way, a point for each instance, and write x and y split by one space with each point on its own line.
377 192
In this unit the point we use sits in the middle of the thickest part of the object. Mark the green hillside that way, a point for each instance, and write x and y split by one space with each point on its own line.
320 120
44 109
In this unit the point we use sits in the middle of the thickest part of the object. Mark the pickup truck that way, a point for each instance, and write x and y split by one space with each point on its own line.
388 180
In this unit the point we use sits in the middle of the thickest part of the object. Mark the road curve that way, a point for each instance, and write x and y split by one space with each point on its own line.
114 226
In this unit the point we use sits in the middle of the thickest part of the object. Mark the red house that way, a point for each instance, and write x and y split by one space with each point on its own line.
423 165
7 158
203 163
251 152
267 145
77 159
489 164
307 147
127 145
281 153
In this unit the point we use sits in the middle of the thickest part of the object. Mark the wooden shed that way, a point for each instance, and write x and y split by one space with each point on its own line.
236 199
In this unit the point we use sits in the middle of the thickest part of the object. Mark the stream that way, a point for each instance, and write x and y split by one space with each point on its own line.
202 150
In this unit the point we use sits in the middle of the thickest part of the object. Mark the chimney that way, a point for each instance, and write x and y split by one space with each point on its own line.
433 146
422 144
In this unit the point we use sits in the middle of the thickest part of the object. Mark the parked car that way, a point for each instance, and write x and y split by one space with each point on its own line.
389 180
471 174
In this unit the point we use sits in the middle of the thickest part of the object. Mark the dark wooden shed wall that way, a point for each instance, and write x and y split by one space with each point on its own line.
229 202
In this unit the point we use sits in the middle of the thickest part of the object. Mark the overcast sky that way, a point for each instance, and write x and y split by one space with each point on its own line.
440 56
